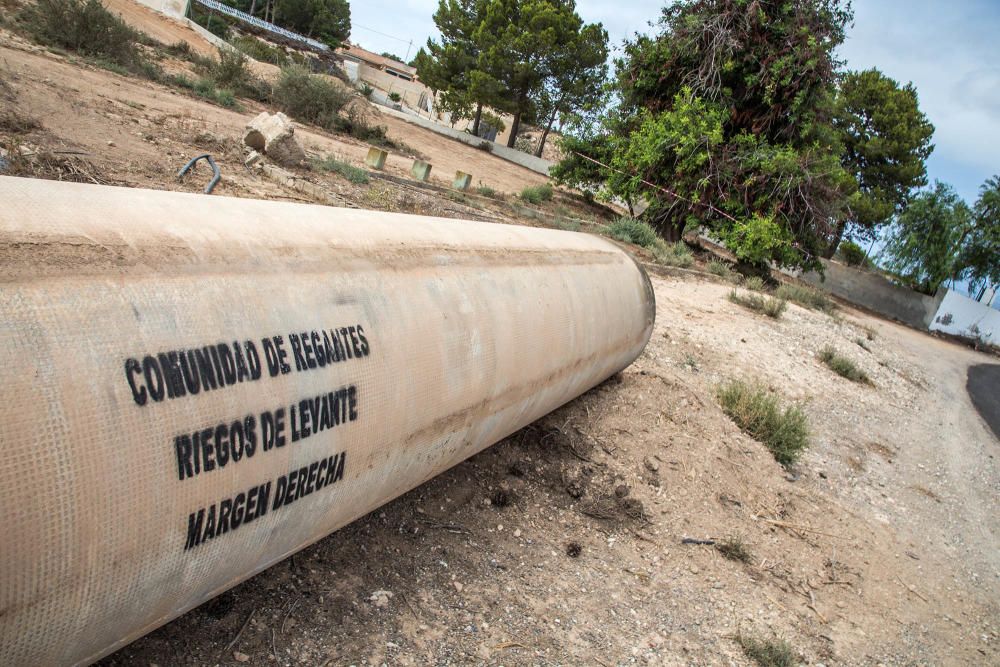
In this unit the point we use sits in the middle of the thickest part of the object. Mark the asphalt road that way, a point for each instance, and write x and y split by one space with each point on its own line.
983 385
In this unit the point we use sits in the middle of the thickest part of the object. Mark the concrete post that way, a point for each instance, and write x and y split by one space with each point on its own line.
376 158
462 181
420 170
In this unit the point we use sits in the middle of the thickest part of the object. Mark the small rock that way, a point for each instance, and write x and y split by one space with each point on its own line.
652 465
381 598
111 143
458 586
240 657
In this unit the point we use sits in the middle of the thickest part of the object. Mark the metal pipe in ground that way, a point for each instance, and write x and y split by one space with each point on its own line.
195 387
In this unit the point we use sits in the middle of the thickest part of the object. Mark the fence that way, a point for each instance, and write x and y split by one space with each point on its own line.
263 25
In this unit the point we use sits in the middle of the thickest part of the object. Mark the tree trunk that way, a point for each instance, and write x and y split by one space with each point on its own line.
548 128
479 117
835 242
253 7
515 126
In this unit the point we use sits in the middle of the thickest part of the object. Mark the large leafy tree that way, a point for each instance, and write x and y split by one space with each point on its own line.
522 42
980 255
886 140
926 246
724 121
448 66
577 77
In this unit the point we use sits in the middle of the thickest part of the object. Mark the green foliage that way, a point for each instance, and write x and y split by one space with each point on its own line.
309 98
673 254
807 297
328 21
367 91
726 117
886 139
980 255
852 253
568 225
487 191
721 269
632 230
206 89
757 412
754 284
348 171
536 194
210 20
522 45
926 245
767 652
395 97
260 50
759 239
769 306
843 366
87 28
734 548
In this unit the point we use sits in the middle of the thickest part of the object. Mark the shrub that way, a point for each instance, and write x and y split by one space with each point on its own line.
721 269
767 652
770 306
568 225
87 28
367 91
395 97
487 191
852 253
206 89
231 72
806 297
759 414
673 254
309 97
348 171
631 230
260 50
862 344
754 283
733 548
210 21
843 366
536 194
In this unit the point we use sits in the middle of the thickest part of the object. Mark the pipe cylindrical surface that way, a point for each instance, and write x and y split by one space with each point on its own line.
195 387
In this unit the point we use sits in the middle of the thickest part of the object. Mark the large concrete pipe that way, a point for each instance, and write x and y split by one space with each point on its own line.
195 387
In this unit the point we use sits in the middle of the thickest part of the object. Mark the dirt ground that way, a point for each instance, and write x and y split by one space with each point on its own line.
563 543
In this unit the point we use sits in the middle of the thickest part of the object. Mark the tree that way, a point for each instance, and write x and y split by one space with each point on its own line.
577 78
521 41
886 140
448 67
927 244
980 255
724 122
328 21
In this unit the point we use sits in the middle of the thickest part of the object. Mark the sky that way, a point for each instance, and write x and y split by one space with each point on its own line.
949 50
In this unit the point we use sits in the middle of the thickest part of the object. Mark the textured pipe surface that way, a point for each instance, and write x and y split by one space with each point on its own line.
195 387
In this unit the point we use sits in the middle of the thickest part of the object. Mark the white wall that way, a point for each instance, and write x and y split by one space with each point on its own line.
959 315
